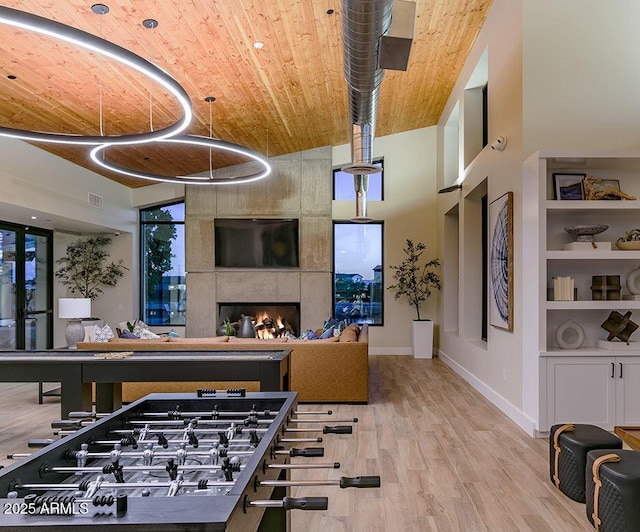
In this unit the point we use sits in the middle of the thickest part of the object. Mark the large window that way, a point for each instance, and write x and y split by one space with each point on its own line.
163 278
357 272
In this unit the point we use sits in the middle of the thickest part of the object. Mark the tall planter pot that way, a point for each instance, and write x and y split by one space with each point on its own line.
422 339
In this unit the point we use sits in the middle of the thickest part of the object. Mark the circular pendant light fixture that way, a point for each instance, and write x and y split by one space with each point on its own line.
28 21
193 140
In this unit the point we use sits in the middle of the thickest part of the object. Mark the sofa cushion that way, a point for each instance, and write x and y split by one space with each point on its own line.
350 333
315 341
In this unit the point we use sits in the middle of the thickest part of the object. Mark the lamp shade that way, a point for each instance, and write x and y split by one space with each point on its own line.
74 307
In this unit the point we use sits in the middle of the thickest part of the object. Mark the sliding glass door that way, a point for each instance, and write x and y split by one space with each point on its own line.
26 301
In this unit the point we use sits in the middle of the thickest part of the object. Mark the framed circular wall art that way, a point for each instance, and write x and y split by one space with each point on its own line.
501 262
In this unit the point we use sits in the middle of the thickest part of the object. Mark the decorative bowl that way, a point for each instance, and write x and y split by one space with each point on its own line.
584 233
630 245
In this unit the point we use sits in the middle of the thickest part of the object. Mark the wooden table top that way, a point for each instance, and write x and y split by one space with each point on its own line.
629 435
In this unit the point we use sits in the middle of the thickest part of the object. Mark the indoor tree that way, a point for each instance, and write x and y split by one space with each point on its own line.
414 281
84 268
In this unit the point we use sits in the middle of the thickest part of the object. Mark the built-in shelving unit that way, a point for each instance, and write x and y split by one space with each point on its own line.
588 384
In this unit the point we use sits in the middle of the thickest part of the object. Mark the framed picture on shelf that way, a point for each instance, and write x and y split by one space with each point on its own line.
568 186
501 262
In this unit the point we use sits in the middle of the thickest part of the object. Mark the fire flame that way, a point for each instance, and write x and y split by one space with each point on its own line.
267 327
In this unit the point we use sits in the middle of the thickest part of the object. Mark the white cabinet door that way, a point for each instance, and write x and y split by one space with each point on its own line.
581 390
627 373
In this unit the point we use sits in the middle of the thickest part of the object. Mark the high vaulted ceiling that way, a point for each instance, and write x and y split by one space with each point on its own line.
286 97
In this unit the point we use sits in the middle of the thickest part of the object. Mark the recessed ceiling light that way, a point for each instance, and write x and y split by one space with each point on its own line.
100 9
258 45
34 217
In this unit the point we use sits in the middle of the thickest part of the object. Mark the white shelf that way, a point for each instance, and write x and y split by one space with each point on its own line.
602 205
611 304
593 255
589 351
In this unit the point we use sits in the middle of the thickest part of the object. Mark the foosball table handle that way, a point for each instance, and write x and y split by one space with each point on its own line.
289 503
305 503
360 482
40 442
308 452
338 429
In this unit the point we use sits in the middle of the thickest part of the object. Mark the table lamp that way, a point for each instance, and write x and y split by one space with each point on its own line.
74 309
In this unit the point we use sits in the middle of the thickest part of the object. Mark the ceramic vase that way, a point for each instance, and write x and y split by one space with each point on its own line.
247 330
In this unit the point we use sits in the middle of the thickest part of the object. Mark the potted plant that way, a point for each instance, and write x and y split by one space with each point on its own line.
85 270
416 281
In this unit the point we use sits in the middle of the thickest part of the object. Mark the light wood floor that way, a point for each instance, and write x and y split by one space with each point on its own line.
447 458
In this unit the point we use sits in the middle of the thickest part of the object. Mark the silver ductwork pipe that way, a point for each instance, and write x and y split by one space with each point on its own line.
363 24
361 184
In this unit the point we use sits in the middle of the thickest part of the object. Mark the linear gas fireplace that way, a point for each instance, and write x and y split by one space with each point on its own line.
271 320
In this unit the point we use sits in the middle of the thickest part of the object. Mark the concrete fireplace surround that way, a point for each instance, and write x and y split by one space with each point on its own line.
300 187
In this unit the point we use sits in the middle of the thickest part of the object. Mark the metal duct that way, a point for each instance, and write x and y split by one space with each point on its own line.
363 24
361 184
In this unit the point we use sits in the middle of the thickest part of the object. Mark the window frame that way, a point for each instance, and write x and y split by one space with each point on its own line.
143 277
381 289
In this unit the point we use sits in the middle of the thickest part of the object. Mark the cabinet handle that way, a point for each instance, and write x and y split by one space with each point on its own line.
613 369
620 369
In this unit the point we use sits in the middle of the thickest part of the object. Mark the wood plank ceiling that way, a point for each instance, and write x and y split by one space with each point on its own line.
286 97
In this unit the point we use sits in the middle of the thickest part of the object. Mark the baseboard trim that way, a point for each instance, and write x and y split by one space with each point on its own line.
509 409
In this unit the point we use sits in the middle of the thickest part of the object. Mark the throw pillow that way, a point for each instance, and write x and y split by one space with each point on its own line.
89 333
104 333
129 335
139 327
327 333
146 334
309 335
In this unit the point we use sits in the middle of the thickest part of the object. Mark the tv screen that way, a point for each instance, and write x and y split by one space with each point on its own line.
256 243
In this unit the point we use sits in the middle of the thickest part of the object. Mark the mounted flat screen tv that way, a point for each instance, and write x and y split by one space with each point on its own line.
256 242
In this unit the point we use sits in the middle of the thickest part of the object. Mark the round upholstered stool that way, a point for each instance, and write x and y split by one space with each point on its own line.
568 448
613 490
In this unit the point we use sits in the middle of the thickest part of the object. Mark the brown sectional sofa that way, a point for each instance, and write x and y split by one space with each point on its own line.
335 370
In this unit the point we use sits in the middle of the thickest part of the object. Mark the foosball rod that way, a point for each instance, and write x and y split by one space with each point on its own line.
343 482
215 413
125 468
95 415
347 420
265 466
126 485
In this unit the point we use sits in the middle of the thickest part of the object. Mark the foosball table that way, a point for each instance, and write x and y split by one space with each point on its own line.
203 461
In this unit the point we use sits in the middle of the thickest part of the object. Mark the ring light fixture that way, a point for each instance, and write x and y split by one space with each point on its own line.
28 21
193 140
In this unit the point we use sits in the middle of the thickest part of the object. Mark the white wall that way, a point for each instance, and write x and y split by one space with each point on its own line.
562 75
494 366
408 211
581 74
